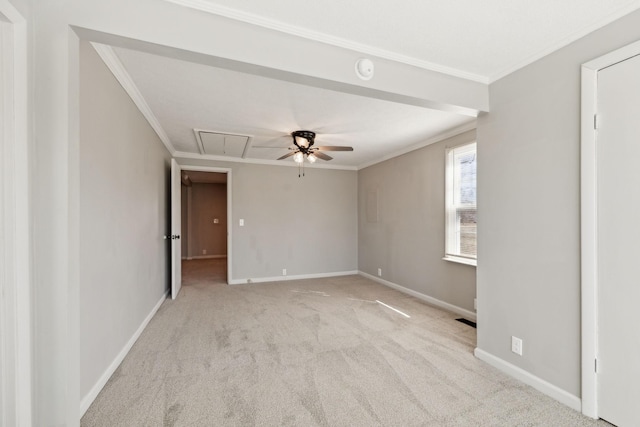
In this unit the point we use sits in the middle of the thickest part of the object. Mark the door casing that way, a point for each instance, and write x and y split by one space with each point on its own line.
228 171
15 222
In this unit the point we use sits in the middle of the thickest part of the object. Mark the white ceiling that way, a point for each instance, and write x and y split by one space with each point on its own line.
185 96
477 40
482 40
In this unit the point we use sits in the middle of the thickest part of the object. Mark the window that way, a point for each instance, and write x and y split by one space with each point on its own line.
461 224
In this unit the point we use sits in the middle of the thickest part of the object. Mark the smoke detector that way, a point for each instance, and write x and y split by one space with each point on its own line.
364 68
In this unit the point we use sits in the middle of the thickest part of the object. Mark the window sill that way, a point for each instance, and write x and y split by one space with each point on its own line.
460 260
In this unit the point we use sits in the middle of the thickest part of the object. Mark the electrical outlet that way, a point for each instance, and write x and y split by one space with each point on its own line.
380 272
516 345
284 271
241 222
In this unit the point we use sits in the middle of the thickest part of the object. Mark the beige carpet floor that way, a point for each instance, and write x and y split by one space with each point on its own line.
319 352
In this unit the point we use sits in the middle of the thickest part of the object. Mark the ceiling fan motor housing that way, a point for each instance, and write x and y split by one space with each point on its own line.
306 134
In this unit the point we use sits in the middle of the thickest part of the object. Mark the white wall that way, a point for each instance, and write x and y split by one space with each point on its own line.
407 241
529 211
124 172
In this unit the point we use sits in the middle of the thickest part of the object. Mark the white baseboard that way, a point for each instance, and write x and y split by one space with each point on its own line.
426 298
204 257
93 393
539 384
297 277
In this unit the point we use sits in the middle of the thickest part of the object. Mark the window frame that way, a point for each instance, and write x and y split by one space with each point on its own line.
452 244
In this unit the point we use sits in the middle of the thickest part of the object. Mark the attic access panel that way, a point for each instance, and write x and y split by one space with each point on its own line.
222 144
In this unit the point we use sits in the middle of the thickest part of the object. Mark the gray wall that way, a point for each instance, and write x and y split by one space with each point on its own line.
54 113
408 239
208 201
123 216
307 225
529 212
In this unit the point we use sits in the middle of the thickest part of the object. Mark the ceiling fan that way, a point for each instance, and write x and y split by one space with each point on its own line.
303 148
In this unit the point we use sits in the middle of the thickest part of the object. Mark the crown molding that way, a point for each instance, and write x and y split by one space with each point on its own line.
440 137
294 30
195 156
116 67
566 41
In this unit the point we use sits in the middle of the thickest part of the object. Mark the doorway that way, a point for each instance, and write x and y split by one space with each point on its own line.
610 202
205 207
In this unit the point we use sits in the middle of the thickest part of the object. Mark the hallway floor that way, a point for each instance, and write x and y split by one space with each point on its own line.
208 270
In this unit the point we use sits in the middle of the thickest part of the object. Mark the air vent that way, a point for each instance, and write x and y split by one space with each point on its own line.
221 144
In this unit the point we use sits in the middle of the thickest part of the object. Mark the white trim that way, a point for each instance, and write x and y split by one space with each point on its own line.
588 221
539 384
459 130
87 400
316 165
228 171
116 67
287 278
589 216
204 257
15 280
426 298
294 30
460 260
566 41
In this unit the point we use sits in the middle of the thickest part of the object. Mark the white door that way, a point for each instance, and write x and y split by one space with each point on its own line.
176 227
618 242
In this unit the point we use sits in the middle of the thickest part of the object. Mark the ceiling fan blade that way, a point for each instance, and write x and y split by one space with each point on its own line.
321 155
334 148
266 146
287 155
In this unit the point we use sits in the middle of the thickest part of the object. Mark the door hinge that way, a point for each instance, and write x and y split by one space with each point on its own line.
595 121
595 367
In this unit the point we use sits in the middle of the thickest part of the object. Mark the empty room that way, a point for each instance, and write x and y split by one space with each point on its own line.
295 213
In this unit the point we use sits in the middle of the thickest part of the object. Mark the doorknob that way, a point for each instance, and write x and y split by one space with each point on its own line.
172 237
